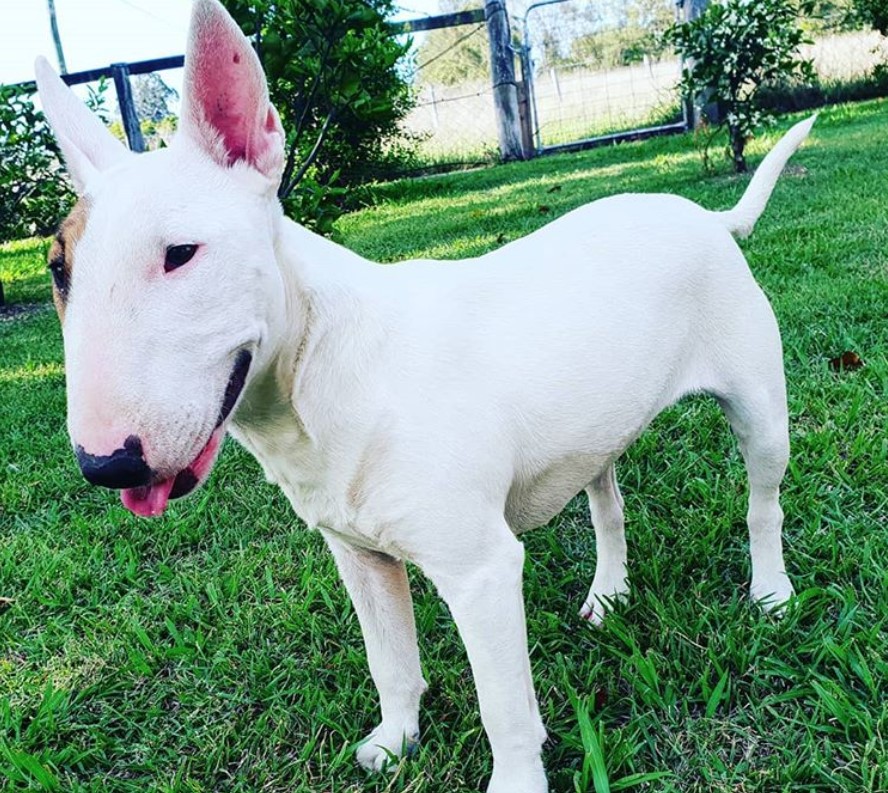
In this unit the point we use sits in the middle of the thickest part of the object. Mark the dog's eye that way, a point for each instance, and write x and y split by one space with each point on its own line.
177 255
59 275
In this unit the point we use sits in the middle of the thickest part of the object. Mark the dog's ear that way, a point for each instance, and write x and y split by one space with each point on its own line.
87 146
226 109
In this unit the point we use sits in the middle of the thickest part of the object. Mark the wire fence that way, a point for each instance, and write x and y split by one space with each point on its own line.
599 69
592 69
453 120
131 98
845 56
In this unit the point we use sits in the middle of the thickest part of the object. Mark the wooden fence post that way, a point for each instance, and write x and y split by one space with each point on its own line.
505 91
121 74
525 117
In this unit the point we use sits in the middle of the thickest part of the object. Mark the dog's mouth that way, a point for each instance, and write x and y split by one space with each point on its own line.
151 500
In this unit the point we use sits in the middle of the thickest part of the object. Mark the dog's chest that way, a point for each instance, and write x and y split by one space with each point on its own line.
321 491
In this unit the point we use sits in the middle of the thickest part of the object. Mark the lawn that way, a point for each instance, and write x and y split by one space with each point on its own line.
214 649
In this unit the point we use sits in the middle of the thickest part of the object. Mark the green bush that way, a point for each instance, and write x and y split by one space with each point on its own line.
35 192
332 68
34 189
731 50
872 13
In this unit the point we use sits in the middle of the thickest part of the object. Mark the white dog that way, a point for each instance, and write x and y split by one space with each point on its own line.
427 411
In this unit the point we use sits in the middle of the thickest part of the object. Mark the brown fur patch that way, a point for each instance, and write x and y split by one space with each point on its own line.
61 253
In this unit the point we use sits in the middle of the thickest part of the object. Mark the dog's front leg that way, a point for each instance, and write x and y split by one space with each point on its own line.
480 578
380 592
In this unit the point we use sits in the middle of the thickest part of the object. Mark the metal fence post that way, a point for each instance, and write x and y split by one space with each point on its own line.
121 74
505 91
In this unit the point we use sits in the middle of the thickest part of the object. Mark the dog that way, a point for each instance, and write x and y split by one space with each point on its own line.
426 411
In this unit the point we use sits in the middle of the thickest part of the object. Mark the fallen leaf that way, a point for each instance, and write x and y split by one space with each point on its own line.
600 699
847 361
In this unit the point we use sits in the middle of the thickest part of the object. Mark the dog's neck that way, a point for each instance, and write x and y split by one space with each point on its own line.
328 290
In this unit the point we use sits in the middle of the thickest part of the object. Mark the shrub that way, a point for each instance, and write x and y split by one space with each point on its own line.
34 190
872 13
332 68
731 51
35 193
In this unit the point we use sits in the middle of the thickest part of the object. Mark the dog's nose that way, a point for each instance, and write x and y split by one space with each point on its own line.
123 468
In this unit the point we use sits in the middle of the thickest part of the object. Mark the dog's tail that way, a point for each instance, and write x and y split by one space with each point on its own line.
741 219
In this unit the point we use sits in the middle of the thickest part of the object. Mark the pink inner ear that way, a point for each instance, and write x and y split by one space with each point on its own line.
228 90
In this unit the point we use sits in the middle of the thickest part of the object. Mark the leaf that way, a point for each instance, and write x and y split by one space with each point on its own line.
592 746
847 361
28 766
716 696
631 780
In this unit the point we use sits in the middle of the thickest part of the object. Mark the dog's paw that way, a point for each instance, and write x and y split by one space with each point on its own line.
772 594
518 778
601 600
382 748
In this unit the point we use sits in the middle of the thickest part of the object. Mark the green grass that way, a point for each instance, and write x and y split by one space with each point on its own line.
214 650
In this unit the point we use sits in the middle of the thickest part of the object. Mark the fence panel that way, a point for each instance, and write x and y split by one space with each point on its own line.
453 121
600 70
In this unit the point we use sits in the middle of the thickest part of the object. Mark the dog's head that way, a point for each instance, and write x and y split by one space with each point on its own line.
165 276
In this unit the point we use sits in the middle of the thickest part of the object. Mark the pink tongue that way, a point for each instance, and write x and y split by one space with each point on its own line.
149 501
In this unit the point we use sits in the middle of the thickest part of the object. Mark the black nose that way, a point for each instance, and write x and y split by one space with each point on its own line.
121 469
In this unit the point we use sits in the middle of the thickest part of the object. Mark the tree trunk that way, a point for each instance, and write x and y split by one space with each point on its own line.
738 143
698 108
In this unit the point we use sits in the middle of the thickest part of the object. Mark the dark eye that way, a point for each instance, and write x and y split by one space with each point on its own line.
59 275
177 255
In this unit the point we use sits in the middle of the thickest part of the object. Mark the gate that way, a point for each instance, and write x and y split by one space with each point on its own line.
597 72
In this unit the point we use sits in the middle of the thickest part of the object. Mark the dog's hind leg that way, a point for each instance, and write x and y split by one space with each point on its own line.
609 584
760 424
753 397
380 592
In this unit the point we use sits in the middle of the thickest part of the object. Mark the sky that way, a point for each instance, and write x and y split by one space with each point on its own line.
96 33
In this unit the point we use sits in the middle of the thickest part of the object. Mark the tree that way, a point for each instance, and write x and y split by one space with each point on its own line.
730 51
151 96
608 33
449 56
332 68
873 13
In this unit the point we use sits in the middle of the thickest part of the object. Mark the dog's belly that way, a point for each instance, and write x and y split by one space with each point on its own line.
534 500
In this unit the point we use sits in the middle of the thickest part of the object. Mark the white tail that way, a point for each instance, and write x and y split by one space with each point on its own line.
742 218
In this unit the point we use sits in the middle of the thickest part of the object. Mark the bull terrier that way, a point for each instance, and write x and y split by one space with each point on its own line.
425 411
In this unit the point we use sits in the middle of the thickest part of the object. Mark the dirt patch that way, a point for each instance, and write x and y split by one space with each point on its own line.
13 311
